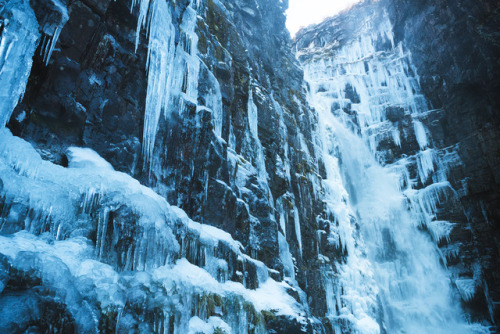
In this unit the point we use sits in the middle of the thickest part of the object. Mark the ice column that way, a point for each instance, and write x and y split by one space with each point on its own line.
172 70
156 18
18 42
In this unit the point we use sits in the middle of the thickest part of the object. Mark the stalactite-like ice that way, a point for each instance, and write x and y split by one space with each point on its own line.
156 18
18 41
52 29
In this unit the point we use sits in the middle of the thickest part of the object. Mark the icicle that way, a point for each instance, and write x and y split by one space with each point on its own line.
172 71
420 134
53 30
396 137
259 160
425 163
155 16
298 233
18 42
440 230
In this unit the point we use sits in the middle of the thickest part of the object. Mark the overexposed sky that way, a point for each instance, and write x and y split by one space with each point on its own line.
302 13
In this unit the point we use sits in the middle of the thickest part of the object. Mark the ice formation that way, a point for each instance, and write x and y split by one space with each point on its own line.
156 18
172 69
107 246
367 86
141 242
52 28
103 243
19 38
18 41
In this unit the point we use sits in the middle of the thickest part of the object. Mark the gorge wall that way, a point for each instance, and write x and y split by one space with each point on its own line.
165 168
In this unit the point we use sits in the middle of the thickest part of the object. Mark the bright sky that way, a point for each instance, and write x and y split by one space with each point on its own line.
302 13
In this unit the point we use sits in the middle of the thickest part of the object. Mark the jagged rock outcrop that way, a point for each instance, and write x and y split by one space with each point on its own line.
455 47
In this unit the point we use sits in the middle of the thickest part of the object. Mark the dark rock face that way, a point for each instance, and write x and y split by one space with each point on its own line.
455 48
92 93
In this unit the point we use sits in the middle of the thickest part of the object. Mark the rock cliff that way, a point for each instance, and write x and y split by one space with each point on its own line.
166 168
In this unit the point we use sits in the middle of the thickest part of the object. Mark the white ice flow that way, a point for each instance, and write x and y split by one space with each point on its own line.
393 280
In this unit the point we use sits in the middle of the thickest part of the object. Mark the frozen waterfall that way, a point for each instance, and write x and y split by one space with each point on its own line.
394 279
252 213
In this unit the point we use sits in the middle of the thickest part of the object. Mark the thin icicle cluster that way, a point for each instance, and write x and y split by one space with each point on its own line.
173 70
155 17
52 29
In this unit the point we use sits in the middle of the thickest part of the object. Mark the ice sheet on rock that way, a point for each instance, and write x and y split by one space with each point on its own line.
18 41
61 198
38 258
211 235
86 158
172 69
271 295
69 194
57 192
90 184
210 326
67 268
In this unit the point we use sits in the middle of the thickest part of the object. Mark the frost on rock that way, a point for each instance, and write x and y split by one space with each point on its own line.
18 41
107 246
